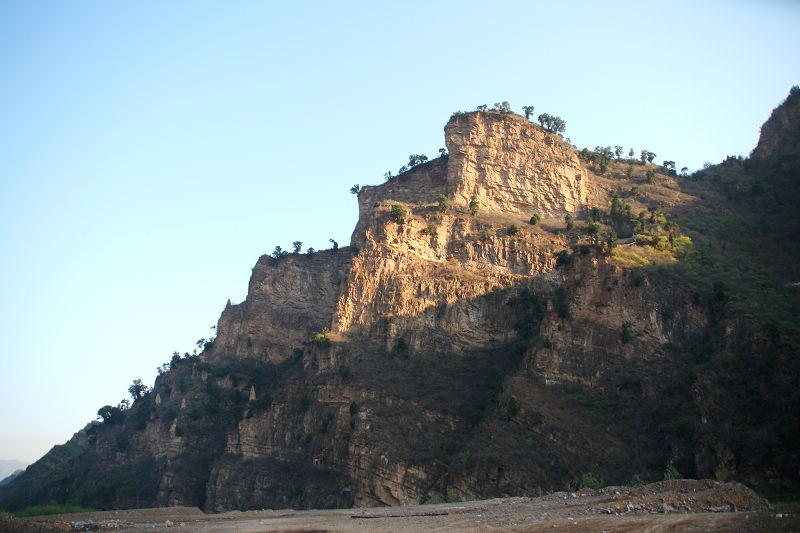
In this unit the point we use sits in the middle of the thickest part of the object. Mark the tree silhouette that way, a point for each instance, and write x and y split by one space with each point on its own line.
138 389
110 414
504 107
528 110
551 123
416 160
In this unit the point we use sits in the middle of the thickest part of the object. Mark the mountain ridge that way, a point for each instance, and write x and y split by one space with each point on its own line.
10 468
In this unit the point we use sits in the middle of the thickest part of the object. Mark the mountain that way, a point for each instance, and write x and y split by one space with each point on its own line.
11 477
10 469
642 325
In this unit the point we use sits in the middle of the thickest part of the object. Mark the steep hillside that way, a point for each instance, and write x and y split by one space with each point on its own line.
10 467
642 325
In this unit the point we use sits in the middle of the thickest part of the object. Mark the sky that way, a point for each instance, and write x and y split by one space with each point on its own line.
150 152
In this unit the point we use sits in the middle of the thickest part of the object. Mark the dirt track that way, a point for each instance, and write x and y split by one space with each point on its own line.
680 505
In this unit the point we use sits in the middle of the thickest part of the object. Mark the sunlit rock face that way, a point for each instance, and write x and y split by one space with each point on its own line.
510 165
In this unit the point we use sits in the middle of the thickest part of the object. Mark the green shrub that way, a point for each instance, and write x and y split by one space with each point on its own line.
636 481
513 405
51 509
561 302
444 203
588 481
530 309
320 339
611 243
627 334
535 219
401 348
671 472
398 213
474 206
569 221
513 229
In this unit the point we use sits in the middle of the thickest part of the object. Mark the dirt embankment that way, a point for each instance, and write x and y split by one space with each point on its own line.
679 505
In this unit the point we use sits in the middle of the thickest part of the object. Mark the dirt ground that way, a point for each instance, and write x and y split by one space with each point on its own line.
679 505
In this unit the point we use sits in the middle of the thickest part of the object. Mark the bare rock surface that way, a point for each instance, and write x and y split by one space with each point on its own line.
512 166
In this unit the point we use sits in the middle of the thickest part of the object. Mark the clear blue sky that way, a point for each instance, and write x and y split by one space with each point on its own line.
150 152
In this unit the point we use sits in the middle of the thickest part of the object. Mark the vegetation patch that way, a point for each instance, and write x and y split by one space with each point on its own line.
52 509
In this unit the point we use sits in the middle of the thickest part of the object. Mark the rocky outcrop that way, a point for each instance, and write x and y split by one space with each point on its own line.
508 164
513 166
433 277
619 319
288 299
780 134
429 276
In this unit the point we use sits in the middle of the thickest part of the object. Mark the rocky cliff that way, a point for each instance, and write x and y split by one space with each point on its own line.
426 276
456 351
514 167
276 317
780 136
